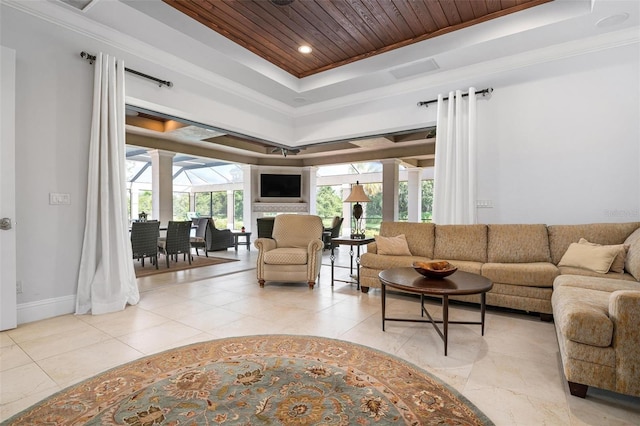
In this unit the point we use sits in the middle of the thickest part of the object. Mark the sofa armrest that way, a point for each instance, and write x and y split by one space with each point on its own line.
624 311
372 248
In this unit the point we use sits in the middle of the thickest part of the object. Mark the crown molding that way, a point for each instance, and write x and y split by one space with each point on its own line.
475 72
78 23
426 85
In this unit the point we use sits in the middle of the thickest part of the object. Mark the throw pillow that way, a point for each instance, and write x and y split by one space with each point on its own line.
632 264
593 258
393 246
618 263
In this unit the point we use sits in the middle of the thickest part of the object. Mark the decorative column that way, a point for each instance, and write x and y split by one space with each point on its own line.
414 194
249 219
347 223
135 194
311 190
230 209
162 185
390 181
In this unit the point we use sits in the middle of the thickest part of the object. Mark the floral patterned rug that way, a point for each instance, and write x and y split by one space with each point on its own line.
256 380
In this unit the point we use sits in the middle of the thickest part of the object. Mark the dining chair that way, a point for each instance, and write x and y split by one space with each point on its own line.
177 241
199 241
144 241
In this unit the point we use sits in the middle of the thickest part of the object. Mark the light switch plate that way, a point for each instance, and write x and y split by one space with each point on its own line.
56 198
484 204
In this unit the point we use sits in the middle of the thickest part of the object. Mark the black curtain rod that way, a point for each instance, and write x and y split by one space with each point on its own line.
92 58
484 92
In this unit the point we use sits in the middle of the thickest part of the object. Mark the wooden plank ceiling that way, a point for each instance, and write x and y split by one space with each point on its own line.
338 31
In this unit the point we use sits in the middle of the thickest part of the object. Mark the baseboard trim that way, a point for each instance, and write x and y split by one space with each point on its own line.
47 308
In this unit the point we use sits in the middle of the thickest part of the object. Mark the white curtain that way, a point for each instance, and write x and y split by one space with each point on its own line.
454 193
106 281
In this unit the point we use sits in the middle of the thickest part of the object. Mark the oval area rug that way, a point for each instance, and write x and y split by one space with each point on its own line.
265 379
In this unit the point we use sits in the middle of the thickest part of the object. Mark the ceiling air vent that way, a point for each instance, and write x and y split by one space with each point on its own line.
414 68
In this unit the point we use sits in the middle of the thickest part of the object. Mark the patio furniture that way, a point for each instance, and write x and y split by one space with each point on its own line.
265 226
217 239
144 241
199 240
177 241
332 232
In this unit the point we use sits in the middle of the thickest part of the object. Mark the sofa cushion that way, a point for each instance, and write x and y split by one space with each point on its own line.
593 258
632 263
461 242
618 263
420 236
466 265
570 270
536 274
518 244
560 236
393 246
380 262
583 315
593 283
286 256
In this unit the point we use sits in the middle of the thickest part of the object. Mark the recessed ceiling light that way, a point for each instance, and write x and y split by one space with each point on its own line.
304 49
612 20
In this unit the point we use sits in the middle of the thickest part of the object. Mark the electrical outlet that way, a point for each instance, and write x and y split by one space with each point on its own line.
18 287
484 204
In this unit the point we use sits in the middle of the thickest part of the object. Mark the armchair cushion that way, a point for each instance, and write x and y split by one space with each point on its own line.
286 256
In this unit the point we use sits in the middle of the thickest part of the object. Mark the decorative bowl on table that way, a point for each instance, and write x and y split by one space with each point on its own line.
439 269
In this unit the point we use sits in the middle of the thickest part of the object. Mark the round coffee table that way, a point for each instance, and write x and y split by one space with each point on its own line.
458 283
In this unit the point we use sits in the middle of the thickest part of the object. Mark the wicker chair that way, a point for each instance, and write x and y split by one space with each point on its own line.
265 226
333 232
199 240
144 241
294 253
177 241
217 239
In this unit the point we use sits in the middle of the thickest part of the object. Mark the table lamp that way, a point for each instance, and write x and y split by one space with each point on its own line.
357 196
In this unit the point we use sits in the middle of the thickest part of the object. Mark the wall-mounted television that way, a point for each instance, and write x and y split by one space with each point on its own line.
280 186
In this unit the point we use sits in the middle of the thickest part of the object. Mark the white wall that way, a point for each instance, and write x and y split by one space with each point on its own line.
565 148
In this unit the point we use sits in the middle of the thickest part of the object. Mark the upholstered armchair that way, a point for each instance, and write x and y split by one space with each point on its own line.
294 251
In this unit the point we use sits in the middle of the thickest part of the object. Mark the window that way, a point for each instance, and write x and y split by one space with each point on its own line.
427 200
238 209
329 203
180 205
144 203
213 204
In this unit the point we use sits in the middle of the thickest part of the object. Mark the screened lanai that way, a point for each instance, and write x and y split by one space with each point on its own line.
212 188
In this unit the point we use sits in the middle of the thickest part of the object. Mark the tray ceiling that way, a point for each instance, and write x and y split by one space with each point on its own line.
338 31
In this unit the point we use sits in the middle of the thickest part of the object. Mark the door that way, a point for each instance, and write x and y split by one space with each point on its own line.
8 301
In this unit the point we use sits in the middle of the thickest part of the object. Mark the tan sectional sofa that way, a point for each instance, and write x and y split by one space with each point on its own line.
596 314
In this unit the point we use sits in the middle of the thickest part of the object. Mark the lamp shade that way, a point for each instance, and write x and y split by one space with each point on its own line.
357 195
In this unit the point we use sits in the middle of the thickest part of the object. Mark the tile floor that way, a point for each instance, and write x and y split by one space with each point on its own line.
513 373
